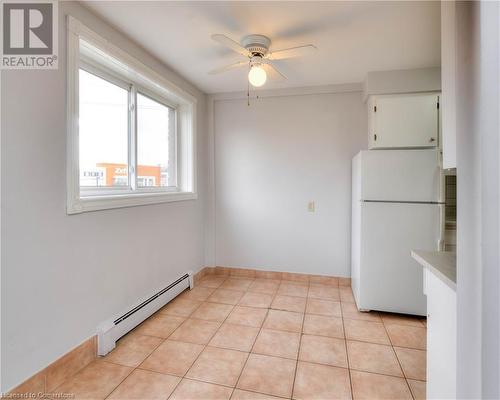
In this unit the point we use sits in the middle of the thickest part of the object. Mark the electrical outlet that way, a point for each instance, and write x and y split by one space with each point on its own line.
311 207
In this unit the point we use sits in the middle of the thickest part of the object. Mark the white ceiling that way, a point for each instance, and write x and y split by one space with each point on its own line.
352 37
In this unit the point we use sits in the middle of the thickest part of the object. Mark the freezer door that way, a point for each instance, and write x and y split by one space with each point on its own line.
401 175
390 280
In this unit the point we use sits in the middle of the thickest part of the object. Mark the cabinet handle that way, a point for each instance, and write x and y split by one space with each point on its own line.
432 139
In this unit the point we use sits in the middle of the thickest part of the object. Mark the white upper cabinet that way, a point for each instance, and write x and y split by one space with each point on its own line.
448 82
404 121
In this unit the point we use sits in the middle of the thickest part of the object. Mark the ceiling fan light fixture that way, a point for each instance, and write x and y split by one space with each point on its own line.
257 76
256 49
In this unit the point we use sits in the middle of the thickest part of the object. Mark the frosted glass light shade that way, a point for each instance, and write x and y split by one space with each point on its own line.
257 76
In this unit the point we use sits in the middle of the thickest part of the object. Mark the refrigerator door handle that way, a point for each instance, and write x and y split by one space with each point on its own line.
442 227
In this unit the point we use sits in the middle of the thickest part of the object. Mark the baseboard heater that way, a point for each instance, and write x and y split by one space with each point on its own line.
112 330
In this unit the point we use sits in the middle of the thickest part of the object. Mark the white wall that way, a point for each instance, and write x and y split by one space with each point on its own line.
402 81
63 275
478 202
271 159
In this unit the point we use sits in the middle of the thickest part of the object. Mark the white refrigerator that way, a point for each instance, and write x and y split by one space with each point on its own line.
397 207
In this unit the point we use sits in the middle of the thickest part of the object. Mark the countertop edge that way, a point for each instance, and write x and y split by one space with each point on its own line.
434 269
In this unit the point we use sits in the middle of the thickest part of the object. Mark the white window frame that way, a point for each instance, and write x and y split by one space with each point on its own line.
90 51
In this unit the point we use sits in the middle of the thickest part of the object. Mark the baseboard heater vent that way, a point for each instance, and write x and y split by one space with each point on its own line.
112 330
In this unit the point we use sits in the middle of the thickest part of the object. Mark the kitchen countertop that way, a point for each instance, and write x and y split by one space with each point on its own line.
443 264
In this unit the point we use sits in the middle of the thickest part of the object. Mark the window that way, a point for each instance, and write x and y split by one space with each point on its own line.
107 136
155 143
130 132
103 136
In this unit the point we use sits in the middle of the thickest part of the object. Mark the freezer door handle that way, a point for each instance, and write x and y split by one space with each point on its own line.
402 202
442 227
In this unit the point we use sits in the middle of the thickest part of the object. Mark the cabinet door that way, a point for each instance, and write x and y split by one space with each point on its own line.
441 339
405 121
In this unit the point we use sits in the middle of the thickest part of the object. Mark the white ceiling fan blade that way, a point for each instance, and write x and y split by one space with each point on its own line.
228 67
292 52
271 68
225 41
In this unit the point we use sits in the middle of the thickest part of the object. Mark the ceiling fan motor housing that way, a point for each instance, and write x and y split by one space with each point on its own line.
256 44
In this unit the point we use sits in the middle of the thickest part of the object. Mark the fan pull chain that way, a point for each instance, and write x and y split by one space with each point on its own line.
248 85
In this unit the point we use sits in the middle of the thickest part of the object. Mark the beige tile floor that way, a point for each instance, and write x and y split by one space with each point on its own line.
238 338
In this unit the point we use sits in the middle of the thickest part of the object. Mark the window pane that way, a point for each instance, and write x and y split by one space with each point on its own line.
155 143
103 126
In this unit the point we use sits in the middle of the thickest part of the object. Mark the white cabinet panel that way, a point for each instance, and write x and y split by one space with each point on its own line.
404 121
448 82
441 338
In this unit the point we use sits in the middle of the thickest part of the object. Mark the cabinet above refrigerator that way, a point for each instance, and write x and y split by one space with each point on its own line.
404 121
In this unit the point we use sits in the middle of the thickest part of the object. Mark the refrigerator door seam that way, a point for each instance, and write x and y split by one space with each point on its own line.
402 201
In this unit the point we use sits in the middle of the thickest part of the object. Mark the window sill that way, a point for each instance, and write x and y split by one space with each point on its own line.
107 202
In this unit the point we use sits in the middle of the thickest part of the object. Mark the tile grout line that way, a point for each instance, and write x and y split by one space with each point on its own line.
205 346
167 338
255 340
302 333
222 323
130 373
380 344
164 339
137 367
347 352
182 377
287 358
393 351
261 328
284 358
101 359
399 362
250 352
300 344
248 290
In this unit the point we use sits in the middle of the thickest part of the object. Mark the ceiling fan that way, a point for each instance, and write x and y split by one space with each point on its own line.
259 58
